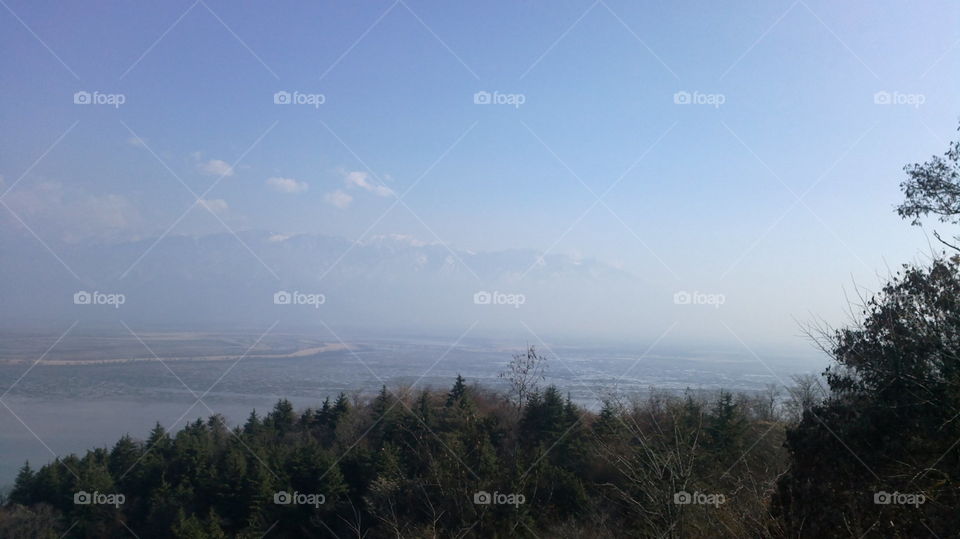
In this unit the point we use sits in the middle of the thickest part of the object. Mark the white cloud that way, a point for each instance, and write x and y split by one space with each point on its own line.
287 185
362 180
339 199
354 179
216 167
216 205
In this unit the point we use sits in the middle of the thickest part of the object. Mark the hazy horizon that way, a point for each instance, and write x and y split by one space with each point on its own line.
747 159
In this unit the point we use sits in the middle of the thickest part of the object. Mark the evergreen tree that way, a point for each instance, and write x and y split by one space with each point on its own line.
340 408
253 424
458 392
323 417
727 428
282 418
607 425
23 485
124 456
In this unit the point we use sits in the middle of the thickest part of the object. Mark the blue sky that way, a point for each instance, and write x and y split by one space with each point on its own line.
704 197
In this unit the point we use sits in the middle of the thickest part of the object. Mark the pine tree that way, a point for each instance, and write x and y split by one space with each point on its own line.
727 426
607 425
340 408
253 424
282 417
306 419
124 456
458 392
424 407
324 415
23 486
381 404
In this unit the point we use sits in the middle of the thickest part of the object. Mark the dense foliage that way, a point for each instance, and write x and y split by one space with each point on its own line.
933 188
410 464
888 435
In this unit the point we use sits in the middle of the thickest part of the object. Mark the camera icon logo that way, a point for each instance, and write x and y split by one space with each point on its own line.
882 498
881 98
482 498
282 498
282 98
82 98
82 498
282 298
681 98
682 498
482 298
82 298
682 298
482 98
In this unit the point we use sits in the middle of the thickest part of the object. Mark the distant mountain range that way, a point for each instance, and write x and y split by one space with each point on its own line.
386 282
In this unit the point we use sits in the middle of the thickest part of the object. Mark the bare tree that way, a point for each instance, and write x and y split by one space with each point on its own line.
655 460
525 372
356 524
807 392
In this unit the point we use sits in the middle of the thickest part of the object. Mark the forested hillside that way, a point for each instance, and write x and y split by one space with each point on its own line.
460 463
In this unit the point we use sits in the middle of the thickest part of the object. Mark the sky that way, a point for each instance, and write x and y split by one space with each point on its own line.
752 152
